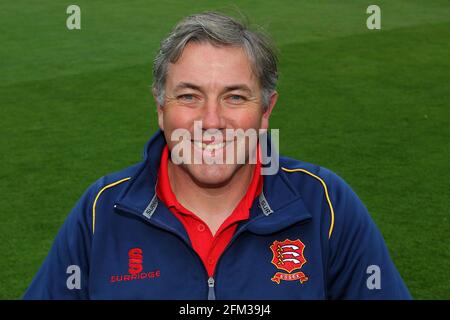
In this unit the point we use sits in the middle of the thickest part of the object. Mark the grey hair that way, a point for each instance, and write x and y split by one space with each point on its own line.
219 30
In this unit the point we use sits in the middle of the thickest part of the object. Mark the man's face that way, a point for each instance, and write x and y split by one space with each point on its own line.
214 85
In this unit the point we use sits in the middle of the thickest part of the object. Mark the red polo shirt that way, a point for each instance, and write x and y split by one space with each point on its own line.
207 246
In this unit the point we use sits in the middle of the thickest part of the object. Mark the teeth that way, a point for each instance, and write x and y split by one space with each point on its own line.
213 146
198 144
210 146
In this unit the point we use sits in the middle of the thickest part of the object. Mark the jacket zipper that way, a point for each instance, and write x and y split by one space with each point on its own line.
211 293
211 280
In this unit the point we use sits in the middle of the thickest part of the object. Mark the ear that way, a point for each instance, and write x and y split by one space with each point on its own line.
268 112
159 110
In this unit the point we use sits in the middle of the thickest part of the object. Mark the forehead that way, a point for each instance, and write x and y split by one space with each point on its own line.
207 65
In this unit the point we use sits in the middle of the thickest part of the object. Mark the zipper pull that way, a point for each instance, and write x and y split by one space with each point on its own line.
211 294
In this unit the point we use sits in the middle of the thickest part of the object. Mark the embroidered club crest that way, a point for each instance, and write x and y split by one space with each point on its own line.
288 256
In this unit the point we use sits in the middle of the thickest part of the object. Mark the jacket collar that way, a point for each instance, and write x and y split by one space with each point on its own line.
278 207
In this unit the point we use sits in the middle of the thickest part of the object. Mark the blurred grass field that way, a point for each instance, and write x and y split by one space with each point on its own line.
371 105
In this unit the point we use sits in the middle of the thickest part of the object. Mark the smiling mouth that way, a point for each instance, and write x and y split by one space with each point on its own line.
211 146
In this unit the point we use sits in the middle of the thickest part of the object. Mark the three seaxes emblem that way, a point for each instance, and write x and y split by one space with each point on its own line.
288 256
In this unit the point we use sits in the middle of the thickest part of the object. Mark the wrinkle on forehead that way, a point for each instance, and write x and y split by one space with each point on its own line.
211 67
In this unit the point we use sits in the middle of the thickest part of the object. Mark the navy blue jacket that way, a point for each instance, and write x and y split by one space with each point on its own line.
308 237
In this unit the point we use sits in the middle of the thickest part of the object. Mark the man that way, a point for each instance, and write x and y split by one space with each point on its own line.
185 224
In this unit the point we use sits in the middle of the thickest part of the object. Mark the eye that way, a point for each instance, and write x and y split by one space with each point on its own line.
236 99
186 97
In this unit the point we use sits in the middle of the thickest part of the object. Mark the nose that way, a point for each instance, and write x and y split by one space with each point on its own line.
212 116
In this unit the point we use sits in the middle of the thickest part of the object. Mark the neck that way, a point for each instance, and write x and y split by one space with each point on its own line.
213 204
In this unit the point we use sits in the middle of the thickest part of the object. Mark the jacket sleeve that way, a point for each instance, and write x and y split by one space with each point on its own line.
359 263
65 272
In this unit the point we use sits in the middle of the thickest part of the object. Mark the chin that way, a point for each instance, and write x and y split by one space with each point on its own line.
212 176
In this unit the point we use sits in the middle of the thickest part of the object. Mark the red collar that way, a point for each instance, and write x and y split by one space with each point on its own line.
241 212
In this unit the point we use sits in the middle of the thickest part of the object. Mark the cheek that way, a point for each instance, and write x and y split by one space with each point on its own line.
248 120
178 118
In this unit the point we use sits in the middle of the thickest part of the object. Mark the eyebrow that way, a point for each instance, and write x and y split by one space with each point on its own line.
187 85
241 87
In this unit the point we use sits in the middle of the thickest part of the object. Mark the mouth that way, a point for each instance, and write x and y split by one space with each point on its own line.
211 146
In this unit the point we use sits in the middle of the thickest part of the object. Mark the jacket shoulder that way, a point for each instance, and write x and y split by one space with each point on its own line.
114 179
84 209
315 183
296 171
119 175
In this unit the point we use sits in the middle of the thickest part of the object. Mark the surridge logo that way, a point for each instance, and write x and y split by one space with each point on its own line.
135 260
288 256
135 268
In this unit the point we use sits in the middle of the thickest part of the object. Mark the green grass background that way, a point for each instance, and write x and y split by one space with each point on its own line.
371 105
